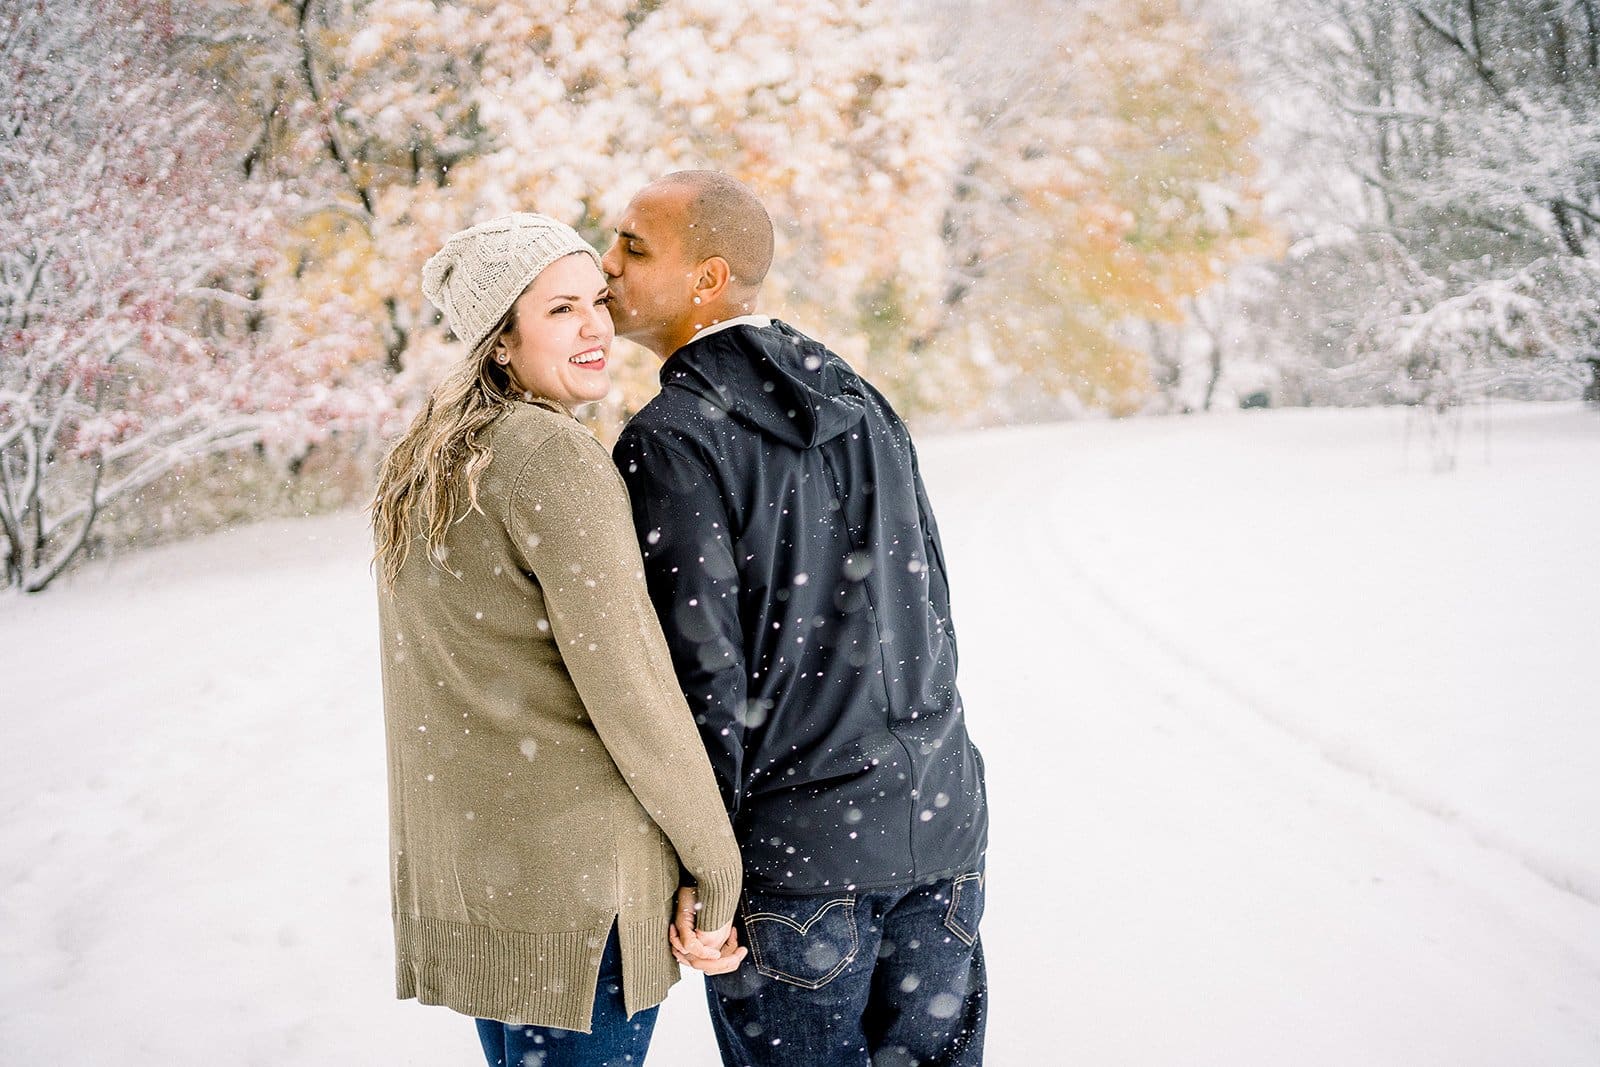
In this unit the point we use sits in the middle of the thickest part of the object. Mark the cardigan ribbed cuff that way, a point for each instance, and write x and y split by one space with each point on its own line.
718 893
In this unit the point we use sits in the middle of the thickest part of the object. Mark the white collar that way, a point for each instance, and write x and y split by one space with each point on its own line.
760 322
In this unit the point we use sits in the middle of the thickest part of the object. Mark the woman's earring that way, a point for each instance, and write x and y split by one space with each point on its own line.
697 300
502 358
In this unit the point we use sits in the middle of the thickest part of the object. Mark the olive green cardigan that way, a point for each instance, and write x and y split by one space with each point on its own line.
545 776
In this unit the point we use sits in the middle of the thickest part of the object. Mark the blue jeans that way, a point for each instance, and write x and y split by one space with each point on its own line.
614 1041
886 978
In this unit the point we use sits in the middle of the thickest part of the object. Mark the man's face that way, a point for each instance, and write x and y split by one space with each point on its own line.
650 271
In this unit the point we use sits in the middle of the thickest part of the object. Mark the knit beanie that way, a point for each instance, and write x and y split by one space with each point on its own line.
479 273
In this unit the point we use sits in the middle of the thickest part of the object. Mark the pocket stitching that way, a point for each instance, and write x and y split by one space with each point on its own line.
951 923
783 976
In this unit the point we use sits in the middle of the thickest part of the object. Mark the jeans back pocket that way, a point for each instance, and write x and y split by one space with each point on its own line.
805 941
966 907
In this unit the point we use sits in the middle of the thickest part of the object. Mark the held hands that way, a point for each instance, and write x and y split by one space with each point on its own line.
708 951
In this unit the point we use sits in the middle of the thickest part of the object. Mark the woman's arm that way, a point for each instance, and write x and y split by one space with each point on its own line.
568 515
680 518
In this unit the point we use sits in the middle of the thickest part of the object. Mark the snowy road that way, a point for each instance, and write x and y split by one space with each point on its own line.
1227 882
1293 749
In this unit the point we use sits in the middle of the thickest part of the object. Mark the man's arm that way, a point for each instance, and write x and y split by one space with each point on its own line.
682 524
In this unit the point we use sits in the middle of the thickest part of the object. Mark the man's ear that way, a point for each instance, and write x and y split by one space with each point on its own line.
712 280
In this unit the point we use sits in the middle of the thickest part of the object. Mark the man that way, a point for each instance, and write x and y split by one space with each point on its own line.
794 561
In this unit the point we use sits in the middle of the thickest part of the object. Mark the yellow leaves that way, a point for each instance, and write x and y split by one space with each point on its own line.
327 263
1119 178
1068 351
956 229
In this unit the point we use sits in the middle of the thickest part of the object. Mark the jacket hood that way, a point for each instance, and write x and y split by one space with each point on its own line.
774 379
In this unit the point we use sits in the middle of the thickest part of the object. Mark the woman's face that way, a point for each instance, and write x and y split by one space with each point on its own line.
563 334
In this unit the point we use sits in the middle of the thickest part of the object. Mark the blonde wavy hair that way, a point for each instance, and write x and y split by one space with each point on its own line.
430 477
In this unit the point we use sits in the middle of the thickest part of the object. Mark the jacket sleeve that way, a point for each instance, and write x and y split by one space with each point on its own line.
938 579
682 524
568 518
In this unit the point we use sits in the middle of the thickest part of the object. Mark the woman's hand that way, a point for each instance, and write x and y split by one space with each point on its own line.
707 951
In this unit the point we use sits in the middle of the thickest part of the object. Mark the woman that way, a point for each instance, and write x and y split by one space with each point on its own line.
543 767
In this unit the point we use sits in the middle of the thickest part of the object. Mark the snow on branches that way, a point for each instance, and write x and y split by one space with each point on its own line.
136 330
833 112
1458 143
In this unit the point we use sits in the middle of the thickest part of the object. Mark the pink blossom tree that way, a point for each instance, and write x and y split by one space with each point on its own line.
138 326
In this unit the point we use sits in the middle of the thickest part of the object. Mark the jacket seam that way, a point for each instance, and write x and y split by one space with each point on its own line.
883 666
950 871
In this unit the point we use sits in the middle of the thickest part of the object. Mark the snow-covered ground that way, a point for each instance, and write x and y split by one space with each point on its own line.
1294 749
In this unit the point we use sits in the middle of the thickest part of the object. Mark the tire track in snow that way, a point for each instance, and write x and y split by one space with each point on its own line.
1049 540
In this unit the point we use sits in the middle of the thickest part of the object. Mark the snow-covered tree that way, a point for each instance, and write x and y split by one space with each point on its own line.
1106 177
1446 179
416 117
1084 165
138 330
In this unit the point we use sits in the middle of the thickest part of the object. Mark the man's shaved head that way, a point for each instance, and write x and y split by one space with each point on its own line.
724 218
692 249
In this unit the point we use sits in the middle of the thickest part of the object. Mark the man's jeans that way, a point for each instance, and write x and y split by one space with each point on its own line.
614 1041
884 977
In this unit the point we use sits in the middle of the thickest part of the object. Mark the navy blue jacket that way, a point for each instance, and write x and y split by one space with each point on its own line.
794 561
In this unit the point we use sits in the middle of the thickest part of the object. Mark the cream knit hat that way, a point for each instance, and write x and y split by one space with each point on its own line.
479 273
